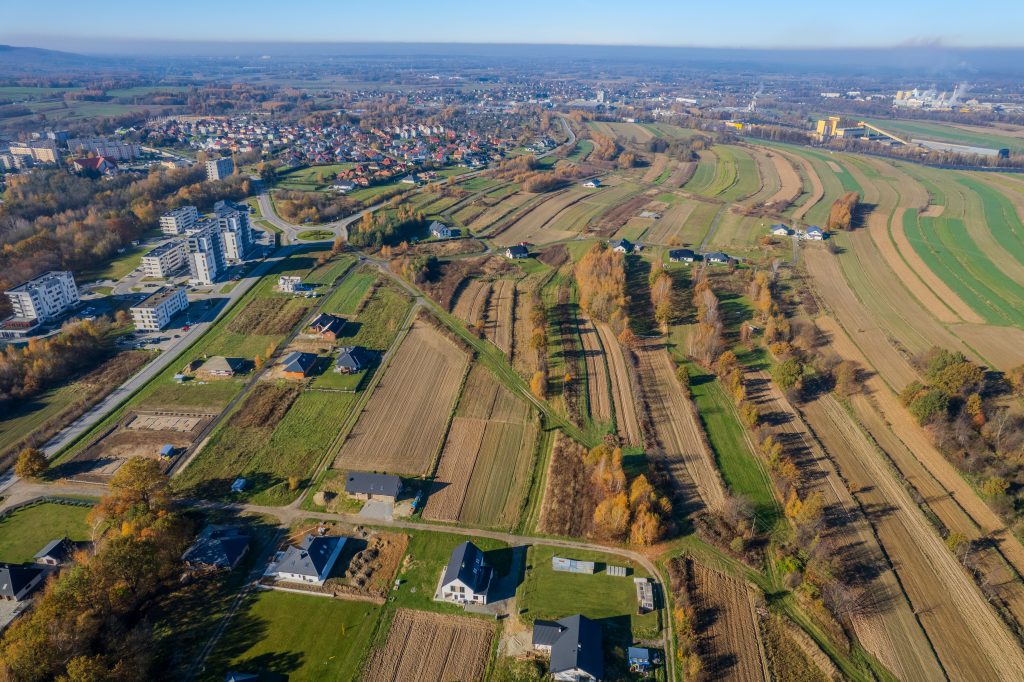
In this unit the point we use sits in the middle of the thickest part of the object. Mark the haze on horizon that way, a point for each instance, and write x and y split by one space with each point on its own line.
118 26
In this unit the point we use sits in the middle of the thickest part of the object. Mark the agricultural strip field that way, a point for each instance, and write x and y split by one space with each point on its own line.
278 433
671 224
347 296
703 177
429 647
411 404
621 387
500 320
533 226
598 383
770 181
677 429
728 625
486 462
970 640
634 132
657 167
472 301
524 358
493 214
815 191
890 631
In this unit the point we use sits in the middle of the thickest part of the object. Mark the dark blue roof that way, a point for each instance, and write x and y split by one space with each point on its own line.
578 646
218 545
298 362
518 250
353 358
467 565
361 482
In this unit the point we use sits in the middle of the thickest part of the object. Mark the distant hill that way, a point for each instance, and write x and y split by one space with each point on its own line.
20 59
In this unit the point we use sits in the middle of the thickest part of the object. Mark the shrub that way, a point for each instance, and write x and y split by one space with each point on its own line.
929 406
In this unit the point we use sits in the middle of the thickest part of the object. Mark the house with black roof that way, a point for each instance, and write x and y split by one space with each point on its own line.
18 581
218 546
517 251
327 327
621 245
56 552
352 359
297 365
682 256
467 577
717 257
575 646
310 561
363 485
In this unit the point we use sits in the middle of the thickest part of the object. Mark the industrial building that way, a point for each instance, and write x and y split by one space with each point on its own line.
156 312
164 260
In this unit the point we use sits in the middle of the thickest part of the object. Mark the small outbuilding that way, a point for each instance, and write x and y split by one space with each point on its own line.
572 565
593 183
56 552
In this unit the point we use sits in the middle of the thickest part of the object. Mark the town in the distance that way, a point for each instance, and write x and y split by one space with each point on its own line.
386 361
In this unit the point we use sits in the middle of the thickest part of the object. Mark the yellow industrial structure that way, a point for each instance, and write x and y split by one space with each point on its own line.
829 128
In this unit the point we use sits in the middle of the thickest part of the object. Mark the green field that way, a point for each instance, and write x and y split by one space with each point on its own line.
581 151
742 470
311 178
295 637
329 272
350 292
314 235
548 594
741 177
267 456
704 176
378 324
26 531
949 133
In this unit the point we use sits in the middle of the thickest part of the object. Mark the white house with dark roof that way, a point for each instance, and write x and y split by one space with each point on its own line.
814 232
517 251
363 485
780 230
439 230
55 553
18 581
575 646
467 577
308 562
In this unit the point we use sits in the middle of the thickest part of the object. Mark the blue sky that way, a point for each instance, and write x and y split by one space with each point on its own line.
75 25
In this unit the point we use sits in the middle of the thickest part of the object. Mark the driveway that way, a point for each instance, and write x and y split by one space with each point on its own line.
379 510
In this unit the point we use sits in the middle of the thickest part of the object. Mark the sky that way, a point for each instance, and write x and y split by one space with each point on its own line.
103 27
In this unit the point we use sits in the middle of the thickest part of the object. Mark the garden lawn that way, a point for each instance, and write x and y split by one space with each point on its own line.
548 594
350 292
28 530
281 635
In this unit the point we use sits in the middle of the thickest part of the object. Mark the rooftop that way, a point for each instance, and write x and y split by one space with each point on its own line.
158 297
41 279
364 483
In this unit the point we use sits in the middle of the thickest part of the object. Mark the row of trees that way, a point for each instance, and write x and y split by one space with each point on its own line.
840 216
88 623
601 279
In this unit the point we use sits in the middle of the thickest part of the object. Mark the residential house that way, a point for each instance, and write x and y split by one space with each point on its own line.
367 486
297 365
517 251
18 581
308 562
440 230
410 179
717 257
467 577
220 366
218 546
56 552
352 359
592 184
621 246
575 645
682 256
96 164
814 232
327 327
780 230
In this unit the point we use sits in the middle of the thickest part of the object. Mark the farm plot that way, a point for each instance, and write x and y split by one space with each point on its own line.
503 208
699 222
657 167
668 229
891 631
681 174
485 464
677 429
139 434
598 384
269 316
704 175
738 178
634 132
531 225
619 212
790 185
500 319
613 205
430 647
970 640
816 191
770 181
727 623
411 404
621 387
524 358
472 301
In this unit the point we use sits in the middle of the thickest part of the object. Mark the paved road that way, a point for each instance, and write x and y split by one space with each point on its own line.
122 392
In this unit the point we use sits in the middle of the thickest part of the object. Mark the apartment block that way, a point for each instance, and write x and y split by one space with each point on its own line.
39 151
205 253
235 232
156 311
46 297
119 150
179 221
164 260
218 169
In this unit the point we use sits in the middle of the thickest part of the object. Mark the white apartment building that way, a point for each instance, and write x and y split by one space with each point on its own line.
155 313
179 221
46 297
40 151
235 233
205 254
164 260
218 169
119 150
